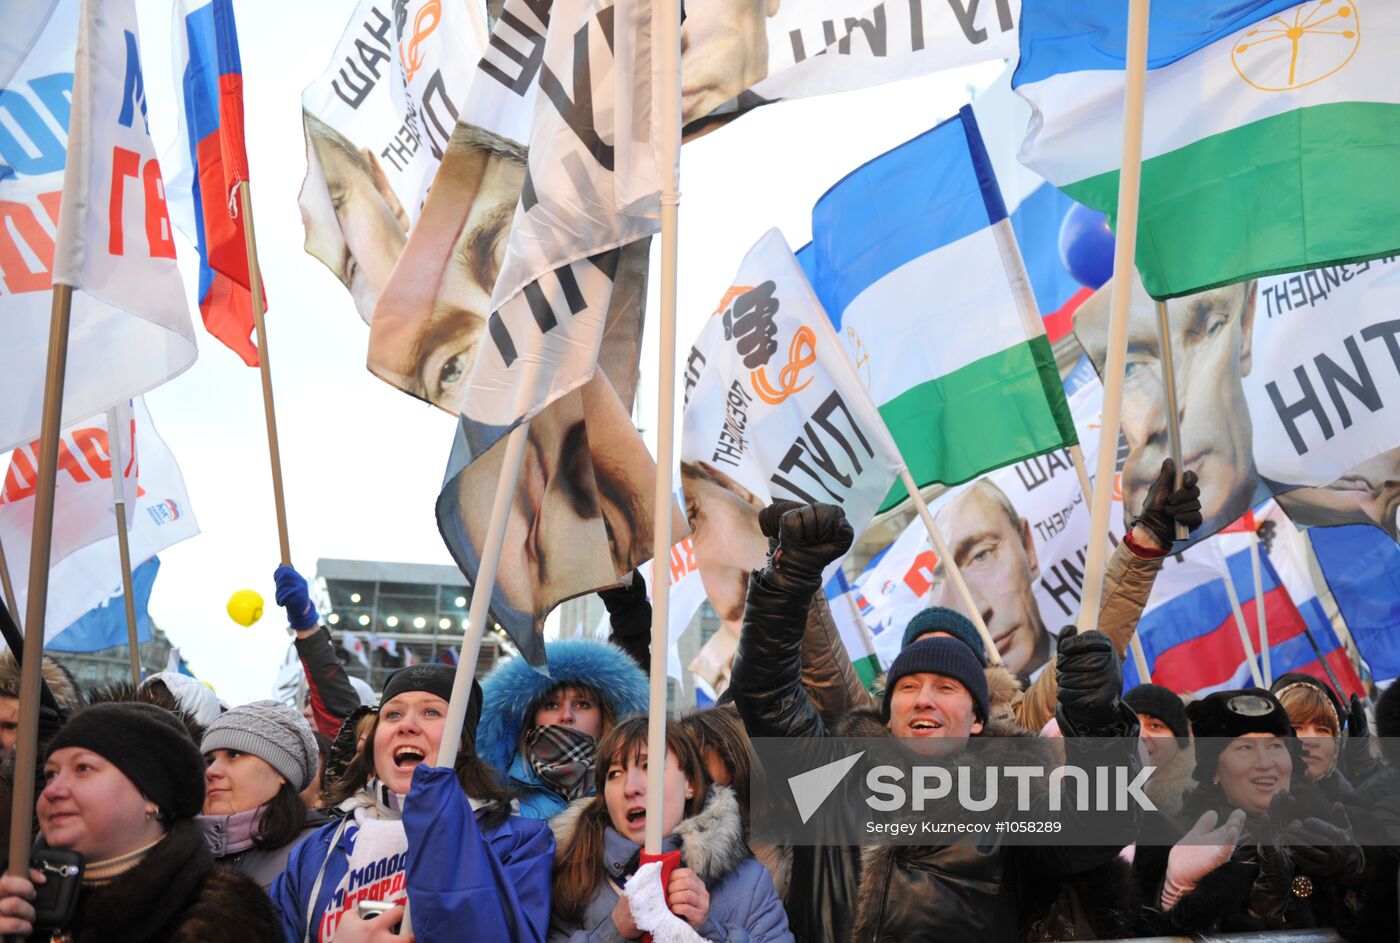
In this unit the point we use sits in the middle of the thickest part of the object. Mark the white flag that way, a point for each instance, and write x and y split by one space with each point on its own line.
86 563
97 221
355 645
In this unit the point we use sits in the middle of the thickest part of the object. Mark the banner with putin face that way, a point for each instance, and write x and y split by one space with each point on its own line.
1287 386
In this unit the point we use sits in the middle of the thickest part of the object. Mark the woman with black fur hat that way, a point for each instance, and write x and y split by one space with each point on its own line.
1264 849
445 839
123 785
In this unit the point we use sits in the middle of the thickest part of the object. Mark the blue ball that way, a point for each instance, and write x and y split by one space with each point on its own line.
1086 246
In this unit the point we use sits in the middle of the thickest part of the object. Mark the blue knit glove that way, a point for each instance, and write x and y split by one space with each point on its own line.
293 596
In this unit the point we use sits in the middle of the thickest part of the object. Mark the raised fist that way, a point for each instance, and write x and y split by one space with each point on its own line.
810 536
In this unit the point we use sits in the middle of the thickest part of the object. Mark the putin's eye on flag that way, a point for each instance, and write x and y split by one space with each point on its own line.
205 200
1271 130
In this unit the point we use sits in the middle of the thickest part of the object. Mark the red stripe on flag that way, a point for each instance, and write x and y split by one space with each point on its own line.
1061 322
1342 667
1213 658
227 310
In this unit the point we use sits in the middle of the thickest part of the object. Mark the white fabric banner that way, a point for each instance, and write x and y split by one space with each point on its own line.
86 567
97 222
773 403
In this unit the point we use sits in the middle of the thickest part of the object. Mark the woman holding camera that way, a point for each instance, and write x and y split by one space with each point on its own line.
260 757
444 839
123 784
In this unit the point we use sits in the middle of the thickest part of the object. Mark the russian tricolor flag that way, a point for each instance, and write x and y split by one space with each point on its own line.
210 80
1192 641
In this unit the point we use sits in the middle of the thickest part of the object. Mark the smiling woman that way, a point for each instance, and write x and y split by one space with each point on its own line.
1266 851
122 786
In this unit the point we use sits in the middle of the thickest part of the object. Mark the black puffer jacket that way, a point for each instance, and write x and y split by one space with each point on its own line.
1220 901
175 895
896 893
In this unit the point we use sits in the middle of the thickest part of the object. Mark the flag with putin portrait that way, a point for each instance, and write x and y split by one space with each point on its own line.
774 410
1288 386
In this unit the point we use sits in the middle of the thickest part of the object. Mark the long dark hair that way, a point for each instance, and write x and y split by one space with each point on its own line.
476 778
720 729
580 870
283 818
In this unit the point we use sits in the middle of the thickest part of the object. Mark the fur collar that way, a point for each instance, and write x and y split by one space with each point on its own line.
145 902
60 682
512 687
711 841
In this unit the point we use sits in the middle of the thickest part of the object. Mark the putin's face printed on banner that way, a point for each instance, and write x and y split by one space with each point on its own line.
723 518
354 222
1368 494
432 314
1210 338
992 546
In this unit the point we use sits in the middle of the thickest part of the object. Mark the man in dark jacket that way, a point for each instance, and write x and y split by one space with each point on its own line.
924 892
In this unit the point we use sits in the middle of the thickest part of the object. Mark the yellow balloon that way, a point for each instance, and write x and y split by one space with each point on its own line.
245 607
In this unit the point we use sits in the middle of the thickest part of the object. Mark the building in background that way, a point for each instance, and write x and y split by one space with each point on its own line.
95 669
384 616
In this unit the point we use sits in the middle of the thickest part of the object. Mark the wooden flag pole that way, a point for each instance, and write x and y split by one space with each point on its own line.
1076 455
114 437
7 587
245 205
27 743
666 50
945 557
1120 297
1265 661
1164 346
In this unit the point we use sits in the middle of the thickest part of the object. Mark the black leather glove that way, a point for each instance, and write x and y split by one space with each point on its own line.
1090 678
624 601
769 517
1323 850
1273 886
1167 505
1357 728
809 537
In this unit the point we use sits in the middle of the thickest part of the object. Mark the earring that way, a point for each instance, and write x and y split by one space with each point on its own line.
150 814
1215 781
690 793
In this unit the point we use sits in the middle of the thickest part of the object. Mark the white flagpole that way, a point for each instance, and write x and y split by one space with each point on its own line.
1259 609
1124 249
1076 455
114 439
945 557
666 52
1244 631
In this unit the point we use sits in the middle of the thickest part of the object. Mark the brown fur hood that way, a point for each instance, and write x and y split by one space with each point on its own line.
60 682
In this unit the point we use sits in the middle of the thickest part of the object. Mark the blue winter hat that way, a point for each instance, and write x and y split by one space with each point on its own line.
944 656
513 687
943 619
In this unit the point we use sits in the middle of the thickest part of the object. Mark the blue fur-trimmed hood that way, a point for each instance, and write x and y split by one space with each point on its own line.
510 689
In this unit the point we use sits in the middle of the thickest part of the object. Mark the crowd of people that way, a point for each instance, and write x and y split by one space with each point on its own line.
193 821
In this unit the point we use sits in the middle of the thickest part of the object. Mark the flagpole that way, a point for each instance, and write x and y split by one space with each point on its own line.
245 208
1134 643
1124 249
1259 608
666 76
27 744
1244 631
114 438
945 557
1076 455
6 586
1164 346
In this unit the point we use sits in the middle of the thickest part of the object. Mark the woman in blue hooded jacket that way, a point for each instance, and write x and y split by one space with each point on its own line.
445 839
541 733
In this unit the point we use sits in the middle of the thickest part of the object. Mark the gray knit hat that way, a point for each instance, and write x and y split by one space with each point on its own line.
271 731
